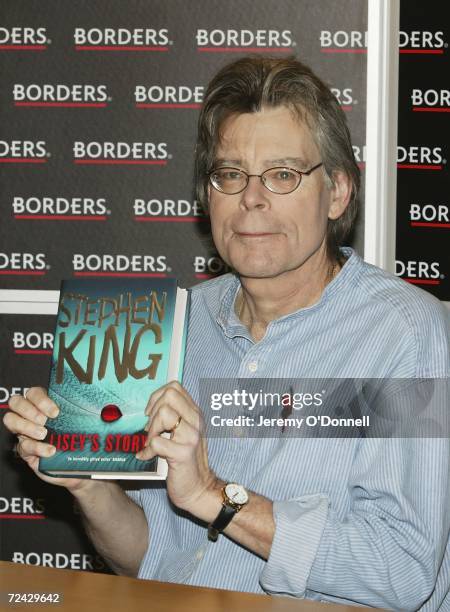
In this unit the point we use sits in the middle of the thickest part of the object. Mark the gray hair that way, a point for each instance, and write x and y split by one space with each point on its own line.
252 83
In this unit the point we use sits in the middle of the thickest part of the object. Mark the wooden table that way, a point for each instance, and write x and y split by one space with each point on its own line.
86 591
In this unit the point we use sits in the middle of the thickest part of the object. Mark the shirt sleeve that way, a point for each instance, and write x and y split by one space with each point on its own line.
135 495
299 524
385 550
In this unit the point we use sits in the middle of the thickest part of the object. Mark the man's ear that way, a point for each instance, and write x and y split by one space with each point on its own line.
340 195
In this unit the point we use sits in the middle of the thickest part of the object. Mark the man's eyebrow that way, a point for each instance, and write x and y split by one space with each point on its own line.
287 161
226 161
269 163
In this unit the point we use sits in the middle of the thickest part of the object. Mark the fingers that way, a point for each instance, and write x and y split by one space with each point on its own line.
183 441
169 449
39 398
168 419
21 426
164 409
165 419
176 397
173 388
28 448
27 418
154 447
36 406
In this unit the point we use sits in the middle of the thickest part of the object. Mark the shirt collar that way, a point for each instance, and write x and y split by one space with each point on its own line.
231 324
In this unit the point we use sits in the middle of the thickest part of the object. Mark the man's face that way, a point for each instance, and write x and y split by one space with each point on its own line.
259 233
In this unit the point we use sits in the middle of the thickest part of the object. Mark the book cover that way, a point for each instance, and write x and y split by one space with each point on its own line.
116 341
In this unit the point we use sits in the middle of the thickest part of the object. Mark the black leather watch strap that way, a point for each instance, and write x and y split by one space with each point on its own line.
223 519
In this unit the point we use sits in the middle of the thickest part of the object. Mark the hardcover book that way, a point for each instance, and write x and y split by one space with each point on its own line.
116 341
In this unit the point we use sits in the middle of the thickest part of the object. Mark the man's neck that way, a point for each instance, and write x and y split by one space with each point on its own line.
261 301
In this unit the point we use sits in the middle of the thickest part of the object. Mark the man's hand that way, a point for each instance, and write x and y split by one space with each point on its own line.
189 478
27 420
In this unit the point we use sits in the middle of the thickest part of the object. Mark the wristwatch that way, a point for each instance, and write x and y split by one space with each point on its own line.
234 498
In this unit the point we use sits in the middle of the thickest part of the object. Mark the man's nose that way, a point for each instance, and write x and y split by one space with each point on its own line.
255 195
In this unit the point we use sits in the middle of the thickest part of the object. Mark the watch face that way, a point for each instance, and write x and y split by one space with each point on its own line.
236 493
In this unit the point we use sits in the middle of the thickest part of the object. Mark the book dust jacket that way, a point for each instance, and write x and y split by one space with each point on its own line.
116 341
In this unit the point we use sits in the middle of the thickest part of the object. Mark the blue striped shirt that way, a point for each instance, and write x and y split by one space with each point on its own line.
356 520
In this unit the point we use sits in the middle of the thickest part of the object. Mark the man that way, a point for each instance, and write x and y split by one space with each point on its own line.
359 520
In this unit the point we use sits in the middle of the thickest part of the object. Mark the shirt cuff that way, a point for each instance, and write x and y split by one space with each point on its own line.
299 524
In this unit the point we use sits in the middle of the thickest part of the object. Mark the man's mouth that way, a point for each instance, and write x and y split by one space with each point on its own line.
254 234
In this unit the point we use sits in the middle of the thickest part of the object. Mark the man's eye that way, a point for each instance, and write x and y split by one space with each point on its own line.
230 175
284 175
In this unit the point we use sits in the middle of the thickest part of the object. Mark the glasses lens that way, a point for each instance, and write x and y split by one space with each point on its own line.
228 180
281 180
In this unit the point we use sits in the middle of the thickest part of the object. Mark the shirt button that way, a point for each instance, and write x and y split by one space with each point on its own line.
199 554
253 366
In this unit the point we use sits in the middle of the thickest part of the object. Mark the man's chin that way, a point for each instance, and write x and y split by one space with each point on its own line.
246 271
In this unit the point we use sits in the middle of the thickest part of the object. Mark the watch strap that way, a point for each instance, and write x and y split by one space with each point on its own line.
223 519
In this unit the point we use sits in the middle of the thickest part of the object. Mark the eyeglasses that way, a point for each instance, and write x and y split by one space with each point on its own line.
279 180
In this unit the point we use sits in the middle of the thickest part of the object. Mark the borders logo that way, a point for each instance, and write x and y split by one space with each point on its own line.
168 96
355 41
23 264
419 272
430 100
23 39
422 42
121 39
32 343
60 209
121 153
21 508
23 152
360 155
7 392
178 211
420 158
209 267
120 265
244 41
48 95
344 97
77 561
429 215
342 41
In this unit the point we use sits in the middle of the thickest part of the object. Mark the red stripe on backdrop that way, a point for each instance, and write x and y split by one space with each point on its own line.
62 217
420 166
23 516
244 49
333 50
118 48
429 109
170 219
119 162
428 224
23 272
22 160
422 281
124 274
64 104
32 352
22 47
180 105
422 51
